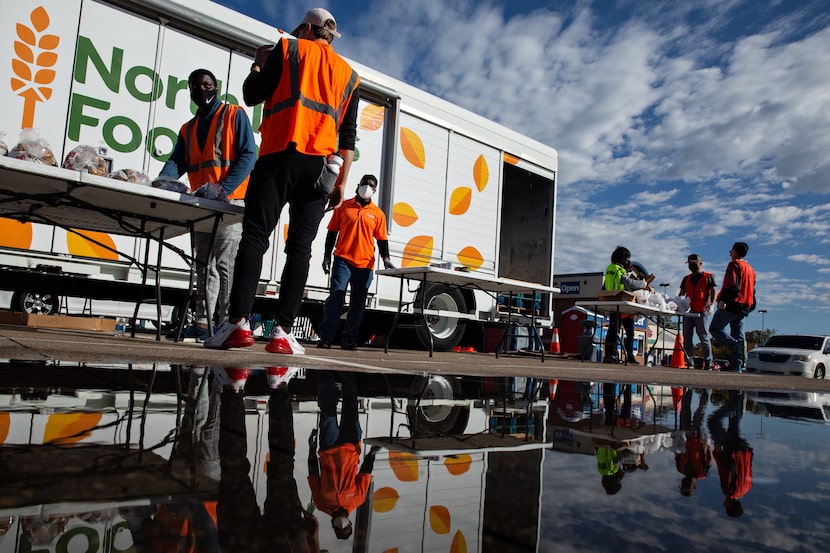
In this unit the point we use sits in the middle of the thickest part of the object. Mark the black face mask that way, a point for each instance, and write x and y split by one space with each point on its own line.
203 98
693 267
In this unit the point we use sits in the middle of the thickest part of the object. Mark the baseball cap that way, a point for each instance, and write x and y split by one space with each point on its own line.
694 257
318 18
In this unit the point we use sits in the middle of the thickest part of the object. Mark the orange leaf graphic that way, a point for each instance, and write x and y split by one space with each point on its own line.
459 543
47 59
404 465
22 70
26 34
49 42
23 52
460 200
14 234
481 173
70 428
384 500
285 233
40 19
417 252
44 76
371 118
412 148
439 519
78 245
403 214
458 464
17 84
512 160
45 92
470 257
393 550
5 423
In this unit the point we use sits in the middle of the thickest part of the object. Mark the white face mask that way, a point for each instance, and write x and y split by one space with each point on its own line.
365 191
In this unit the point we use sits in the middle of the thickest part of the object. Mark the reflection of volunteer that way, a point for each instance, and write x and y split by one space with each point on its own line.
216 146
617 277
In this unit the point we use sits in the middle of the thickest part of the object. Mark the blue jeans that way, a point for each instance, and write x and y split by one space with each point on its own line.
734 341
342 275
698 325
348 430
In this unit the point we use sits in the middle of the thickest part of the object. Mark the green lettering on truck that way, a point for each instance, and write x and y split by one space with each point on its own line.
109 134
132 76
87 52
77 119
174 85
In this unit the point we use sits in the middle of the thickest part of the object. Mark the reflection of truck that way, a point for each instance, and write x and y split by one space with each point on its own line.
452 486
457 188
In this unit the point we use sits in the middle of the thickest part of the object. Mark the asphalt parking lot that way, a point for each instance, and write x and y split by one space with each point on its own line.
29 344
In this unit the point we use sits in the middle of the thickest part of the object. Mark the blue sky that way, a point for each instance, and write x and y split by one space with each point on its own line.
681 126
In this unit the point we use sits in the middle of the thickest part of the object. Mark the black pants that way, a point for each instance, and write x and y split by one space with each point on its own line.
277 179
612 335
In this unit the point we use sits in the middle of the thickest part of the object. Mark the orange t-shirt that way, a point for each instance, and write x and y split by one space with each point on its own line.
339 484
358 227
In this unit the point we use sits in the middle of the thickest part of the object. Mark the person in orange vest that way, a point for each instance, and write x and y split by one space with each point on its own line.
735 301
692 447
732 452
309 115
338 487
699 286
354 227
215 147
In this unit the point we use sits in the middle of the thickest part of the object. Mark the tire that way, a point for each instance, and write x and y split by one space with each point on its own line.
430 420
37 303
819 372
446 332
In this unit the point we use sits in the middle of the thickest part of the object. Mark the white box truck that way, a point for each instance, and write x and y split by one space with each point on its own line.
457 188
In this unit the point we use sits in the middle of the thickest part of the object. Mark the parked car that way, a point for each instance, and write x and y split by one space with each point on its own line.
796 354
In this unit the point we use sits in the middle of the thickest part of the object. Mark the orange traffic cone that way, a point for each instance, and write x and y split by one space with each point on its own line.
553 384
676 396
554 342
678 358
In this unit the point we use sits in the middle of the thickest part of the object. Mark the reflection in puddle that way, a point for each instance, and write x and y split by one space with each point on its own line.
159 458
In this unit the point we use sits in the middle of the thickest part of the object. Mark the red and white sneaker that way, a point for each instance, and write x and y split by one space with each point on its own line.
284 342
231 335
280 375
233 377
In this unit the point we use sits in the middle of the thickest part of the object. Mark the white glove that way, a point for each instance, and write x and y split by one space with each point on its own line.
327 264
387 263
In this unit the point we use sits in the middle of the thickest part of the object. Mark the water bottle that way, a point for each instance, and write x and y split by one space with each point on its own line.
120 326
328 177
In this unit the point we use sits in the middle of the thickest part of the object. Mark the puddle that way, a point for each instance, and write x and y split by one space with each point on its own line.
140 457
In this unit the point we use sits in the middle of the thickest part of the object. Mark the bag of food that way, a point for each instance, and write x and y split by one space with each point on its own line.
211 191
3 148
130 175
171 184
85 159
31 147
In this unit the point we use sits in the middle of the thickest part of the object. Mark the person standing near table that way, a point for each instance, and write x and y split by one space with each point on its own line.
699 286
216 146
354 227
735 301
309 102
617 277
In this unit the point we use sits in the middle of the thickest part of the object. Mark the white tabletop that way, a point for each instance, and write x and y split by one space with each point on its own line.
470 280
631 308
45 194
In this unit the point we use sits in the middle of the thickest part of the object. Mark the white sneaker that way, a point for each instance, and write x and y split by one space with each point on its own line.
284 342
231 335
280 375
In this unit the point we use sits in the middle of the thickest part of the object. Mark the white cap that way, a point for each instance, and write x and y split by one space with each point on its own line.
318 17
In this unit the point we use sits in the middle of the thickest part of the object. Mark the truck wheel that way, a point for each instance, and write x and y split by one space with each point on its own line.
447 332
428 419
37 303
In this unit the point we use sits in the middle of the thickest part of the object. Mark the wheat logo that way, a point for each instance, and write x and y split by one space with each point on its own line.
34 56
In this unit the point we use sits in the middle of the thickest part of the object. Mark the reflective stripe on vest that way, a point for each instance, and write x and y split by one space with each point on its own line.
301 110
213 163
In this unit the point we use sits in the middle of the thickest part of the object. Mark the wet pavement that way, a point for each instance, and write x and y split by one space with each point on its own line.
127 444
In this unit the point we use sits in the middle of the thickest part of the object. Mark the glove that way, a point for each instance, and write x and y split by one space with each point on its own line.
375 448
327 264
312 440
387 263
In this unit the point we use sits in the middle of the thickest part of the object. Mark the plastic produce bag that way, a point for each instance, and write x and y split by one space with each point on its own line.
85 159
130 175
31 147
211 191
171 184
3 148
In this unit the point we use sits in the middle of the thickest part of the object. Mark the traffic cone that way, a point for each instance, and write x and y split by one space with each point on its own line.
678 358
553 384
554 342
676 396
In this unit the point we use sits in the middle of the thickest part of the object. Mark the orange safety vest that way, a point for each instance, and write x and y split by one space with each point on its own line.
310 100
746 296
212 163
697 293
